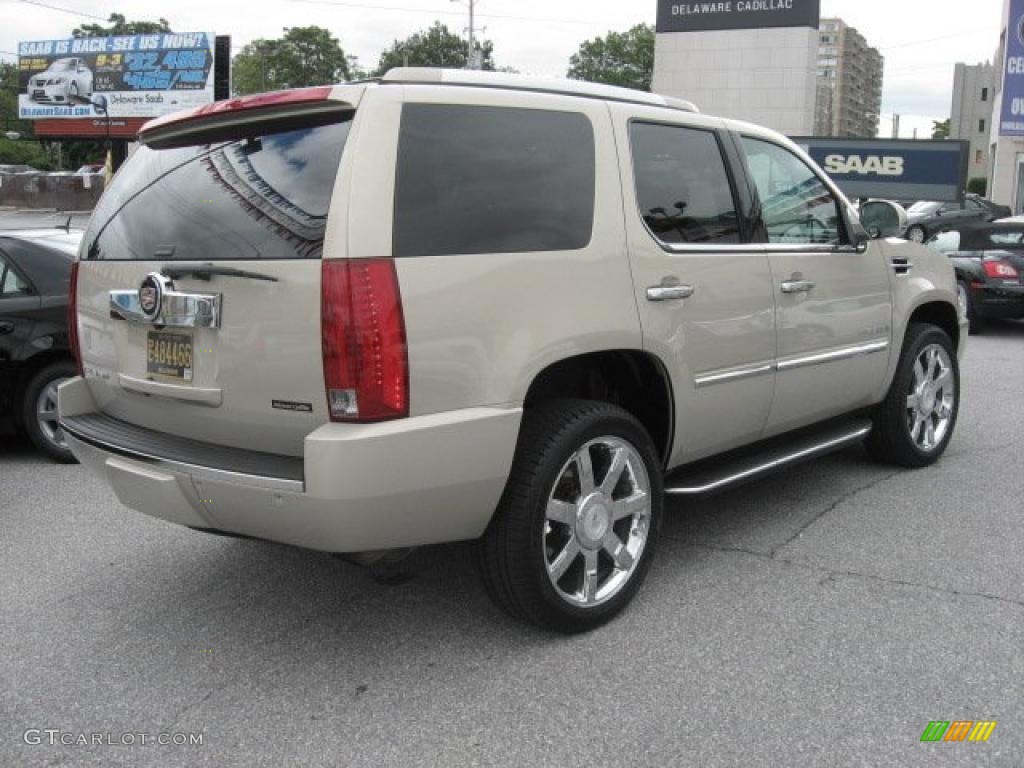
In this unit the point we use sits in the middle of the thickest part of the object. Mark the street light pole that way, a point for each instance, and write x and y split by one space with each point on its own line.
471 62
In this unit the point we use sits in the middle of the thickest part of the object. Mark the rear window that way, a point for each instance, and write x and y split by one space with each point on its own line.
261 197
492 180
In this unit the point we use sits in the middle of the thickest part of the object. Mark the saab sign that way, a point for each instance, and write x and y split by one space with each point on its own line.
702 16
892 168
1011 121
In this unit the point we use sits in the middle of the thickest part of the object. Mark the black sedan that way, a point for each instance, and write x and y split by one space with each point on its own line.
35 269
926 218
989 263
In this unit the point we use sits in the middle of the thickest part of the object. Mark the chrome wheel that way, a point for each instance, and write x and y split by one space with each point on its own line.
597 521
932 398
915 235
46 414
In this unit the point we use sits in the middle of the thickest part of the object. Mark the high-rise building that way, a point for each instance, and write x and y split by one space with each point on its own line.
849 96
971 113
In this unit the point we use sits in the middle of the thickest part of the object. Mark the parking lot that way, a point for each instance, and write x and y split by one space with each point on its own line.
820 617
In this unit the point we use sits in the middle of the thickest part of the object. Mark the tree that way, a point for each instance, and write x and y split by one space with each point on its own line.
9 101
437 46
619 58
304 56
978 185
24 152
119 25
940 129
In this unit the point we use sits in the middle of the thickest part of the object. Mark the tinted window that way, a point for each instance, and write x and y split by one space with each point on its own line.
1008 238
264 197
974 205
796 205
11 283
492 180
682 186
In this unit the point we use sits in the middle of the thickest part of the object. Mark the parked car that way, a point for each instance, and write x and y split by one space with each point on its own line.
35 353
989 264
61 82
925 218
453 305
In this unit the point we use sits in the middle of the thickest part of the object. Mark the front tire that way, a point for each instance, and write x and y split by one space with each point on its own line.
915 422
963 296
576 528
39 411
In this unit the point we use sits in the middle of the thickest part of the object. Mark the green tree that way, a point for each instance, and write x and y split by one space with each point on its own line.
437 46
9 101
940 129
24 151
619 58
119 25
303 56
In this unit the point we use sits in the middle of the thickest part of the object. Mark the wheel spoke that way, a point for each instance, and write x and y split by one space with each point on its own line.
561 512
47 414
613 546
630 506
590 575
944 378
615 470
929 433
915 431
565 559
933 362
585 471
912 401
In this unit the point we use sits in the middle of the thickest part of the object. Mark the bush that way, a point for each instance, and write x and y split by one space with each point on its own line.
24 152
978 185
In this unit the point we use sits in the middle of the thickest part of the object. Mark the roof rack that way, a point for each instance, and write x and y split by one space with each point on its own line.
506 80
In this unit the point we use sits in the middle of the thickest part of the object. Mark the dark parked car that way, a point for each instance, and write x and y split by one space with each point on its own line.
989 264
926 218
35 270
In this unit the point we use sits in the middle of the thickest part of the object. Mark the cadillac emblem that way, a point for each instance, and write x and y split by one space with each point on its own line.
151 294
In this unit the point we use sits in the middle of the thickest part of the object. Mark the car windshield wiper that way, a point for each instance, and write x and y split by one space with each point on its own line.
206 271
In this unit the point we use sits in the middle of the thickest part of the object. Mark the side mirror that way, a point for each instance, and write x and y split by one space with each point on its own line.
883 218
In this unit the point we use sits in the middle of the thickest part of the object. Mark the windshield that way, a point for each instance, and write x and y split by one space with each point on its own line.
62 65
262 197
924 207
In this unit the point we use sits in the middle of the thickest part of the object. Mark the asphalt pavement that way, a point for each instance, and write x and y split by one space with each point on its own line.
23 218
821 617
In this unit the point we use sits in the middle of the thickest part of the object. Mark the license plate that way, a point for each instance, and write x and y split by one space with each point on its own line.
169 354
38 94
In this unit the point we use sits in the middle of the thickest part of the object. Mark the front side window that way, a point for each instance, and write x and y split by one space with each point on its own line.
796 205
945 242
475 179
682 186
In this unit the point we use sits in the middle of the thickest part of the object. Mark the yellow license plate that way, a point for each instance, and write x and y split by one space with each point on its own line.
169 354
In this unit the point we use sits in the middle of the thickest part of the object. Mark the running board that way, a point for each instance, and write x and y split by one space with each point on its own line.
722 472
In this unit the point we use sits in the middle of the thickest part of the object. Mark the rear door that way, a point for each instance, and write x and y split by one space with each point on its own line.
199 283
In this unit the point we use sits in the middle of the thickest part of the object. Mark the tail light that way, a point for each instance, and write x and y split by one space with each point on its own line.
366 361
76 350
1000 270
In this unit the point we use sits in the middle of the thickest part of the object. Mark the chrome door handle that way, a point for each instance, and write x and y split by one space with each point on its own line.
669 292
797 286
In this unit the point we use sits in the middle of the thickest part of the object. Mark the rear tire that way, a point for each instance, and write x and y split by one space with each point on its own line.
577 525
39 411
976 324
915 422
915 234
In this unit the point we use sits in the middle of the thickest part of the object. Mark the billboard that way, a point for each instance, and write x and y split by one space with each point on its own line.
138 76
1011 121
700 16
893 169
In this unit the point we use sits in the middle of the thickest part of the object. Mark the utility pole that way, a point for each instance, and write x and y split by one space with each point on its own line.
896 126
472 62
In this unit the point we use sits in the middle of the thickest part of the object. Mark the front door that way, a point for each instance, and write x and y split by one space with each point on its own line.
704 296
833 302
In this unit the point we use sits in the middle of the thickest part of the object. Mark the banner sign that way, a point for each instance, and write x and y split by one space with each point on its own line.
893 169
701 16
1011 122
136 75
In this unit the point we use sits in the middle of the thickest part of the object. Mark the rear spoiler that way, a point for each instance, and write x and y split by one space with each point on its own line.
222 120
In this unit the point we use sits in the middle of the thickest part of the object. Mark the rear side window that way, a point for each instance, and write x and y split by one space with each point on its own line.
260 197
492 180
682 186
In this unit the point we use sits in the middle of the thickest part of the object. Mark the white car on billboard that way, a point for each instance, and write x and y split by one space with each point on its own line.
64 79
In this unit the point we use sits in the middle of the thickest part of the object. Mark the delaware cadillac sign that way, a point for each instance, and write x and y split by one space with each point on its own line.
700 16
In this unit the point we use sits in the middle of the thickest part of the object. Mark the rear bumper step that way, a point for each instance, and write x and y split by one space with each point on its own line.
198 459
721 473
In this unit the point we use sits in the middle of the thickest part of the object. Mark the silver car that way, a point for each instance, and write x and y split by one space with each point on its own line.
61 82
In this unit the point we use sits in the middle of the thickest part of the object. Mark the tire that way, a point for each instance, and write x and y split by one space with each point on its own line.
542 544
913 425
963 290
916 234
40 395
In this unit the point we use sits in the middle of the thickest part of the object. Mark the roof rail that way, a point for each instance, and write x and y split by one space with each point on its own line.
506 80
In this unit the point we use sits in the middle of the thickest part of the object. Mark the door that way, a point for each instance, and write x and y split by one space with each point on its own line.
833 301
18 306
704 296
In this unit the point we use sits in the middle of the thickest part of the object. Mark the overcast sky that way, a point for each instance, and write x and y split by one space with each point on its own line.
921 41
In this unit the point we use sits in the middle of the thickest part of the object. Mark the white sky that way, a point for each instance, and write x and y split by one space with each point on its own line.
921 40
